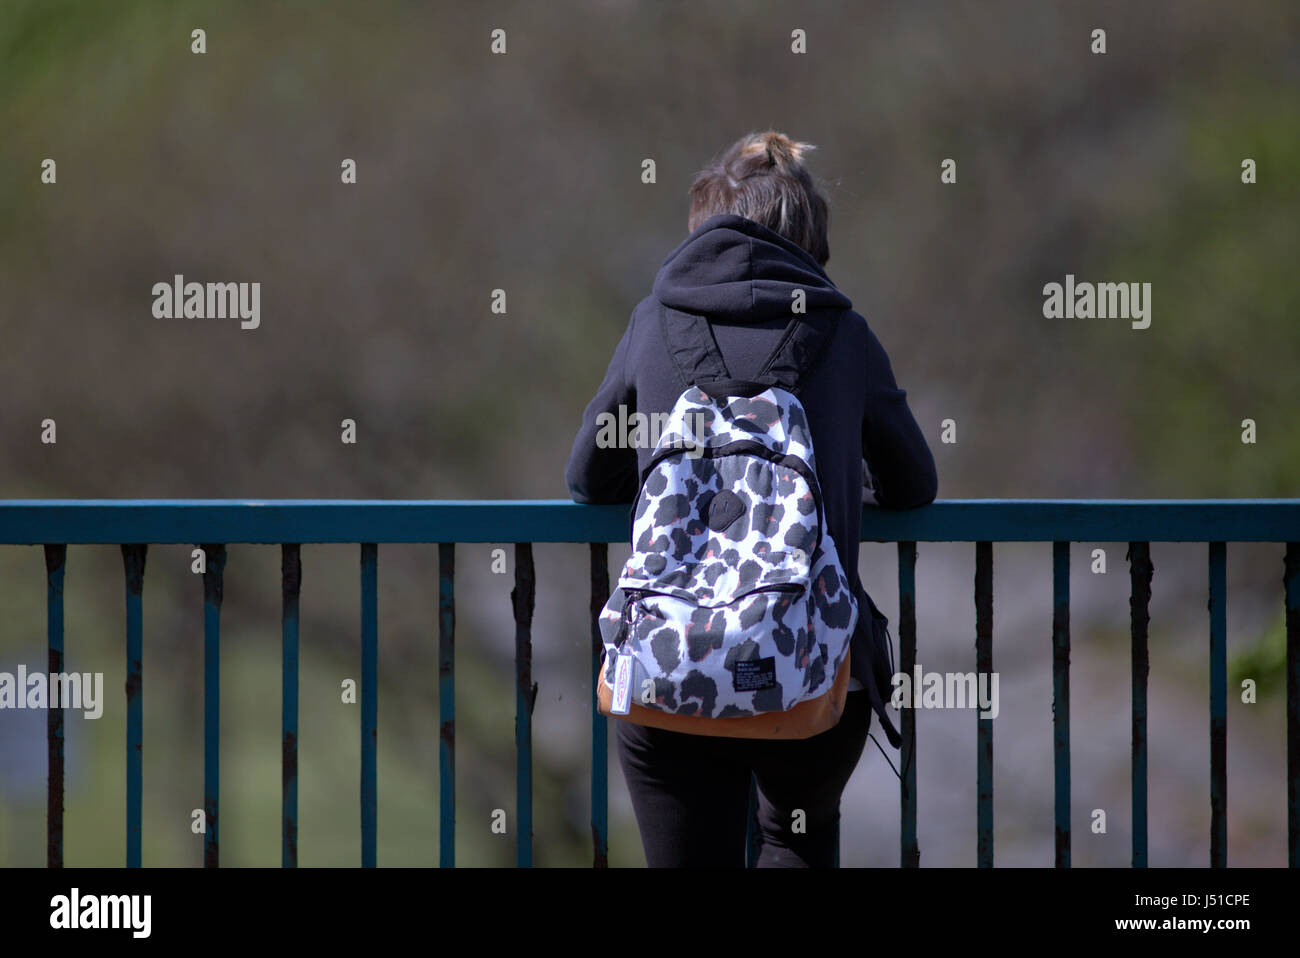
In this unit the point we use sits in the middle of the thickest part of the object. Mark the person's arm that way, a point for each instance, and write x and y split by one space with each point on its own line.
600 471
900 461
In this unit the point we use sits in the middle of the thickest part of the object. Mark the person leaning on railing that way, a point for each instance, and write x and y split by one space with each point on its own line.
757 244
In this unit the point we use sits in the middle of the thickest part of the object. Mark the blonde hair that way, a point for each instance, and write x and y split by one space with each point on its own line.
762 178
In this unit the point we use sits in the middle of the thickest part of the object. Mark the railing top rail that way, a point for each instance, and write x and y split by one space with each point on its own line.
196 521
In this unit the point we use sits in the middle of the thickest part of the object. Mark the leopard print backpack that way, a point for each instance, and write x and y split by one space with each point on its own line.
733 615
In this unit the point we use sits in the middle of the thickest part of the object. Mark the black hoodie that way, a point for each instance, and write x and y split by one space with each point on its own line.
741 275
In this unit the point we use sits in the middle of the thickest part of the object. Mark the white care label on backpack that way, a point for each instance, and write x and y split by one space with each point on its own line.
621 700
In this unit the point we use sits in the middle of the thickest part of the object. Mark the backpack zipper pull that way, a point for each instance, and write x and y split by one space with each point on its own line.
621 698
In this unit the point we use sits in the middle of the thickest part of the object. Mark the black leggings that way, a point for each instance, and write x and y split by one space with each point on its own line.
691 792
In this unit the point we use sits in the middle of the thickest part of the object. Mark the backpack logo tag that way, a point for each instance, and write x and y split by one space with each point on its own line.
622 697
723 510
751 675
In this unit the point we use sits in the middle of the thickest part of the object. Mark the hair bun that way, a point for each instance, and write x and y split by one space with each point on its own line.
782 152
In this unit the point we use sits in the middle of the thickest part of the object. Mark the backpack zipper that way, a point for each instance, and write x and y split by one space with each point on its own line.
775 587
635 595
625 627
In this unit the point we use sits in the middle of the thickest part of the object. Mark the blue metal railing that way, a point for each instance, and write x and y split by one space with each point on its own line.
134 524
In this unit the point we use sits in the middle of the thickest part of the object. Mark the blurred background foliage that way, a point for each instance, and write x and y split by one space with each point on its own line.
522 172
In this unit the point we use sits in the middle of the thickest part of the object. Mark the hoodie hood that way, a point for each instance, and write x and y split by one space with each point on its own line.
732 268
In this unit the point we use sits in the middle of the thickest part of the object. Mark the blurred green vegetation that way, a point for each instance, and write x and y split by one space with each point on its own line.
1264 661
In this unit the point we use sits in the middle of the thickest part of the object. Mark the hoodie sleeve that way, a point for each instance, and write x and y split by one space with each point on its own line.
901 464
600 474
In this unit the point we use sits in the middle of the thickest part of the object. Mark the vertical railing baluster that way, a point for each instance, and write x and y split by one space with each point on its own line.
447 705
599 723
291 587
1140 573
55 559
133 559
213 578
369 700
522 597
909 850
1218 555
1061 696
1291 591
983 726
